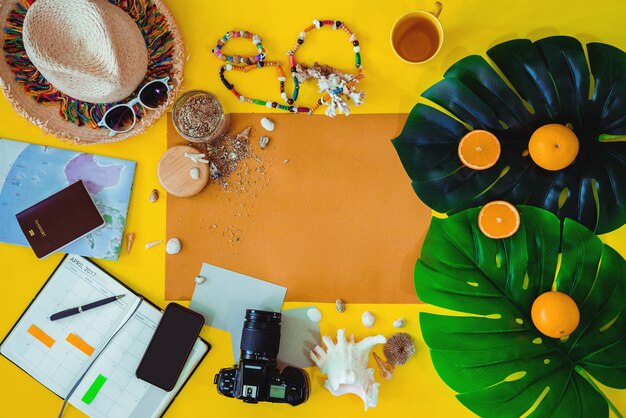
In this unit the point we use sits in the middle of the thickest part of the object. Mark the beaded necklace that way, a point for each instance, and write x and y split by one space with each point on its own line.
318 24
258 61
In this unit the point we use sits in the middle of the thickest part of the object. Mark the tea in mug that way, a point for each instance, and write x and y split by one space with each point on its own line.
416 37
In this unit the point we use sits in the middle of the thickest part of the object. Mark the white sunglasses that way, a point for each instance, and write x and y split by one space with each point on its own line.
122 117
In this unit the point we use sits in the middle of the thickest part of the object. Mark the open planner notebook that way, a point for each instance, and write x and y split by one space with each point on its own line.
105 345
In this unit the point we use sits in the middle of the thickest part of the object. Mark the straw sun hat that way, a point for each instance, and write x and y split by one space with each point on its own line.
65 62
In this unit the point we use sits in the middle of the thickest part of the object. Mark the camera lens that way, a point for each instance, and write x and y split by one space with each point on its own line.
260 337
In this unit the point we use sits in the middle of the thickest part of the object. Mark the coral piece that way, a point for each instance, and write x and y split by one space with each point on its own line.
339 87
368 319
154 196
345 365
152 244
173 246
386 368
314 314
194 173
340 306
399 348
263 141
267 124
399 323
130 238
197 158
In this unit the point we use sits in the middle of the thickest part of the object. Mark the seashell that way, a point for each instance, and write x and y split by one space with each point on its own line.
386 368
232 155
368 319
173 246
213 171
399 323
152 244
130 238
263 141
199 279
244 134
340 306
314 314
286 161
399 348
154 196
345 365
194 173
267 124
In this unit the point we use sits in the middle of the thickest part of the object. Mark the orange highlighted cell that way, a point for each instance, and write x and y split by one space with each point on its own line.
79 343
44 338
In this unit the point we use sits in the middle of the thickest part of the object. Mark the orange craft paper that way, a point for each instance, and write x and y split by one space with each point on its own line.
326 210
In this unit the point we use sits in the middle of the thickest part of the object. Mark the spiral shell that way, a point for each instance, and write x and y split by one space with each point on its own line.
340 306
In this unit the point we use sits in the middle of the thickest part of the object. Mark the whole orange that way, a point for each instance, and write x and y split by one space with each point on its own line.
553 147
555 314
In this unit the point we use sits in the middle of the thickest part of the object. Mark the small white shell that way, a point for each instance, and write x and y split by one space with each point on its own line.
263 141
194 173
399 323
314 314
152 244
368 319
214 172
199 279
173 246
267 124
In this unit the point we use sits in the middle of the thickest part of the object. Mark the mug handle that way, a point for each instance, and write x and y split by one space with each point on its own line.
436 11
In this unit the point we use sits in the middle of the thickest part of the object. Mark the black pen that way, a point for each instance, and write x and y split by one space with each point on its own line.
74 311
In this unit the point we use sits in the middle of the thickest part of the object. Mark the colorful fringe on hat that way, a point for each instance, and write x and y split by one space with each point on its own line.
159 42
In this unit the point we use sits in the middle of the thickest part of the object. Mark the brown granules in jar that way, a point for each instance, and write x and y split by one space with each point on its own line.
199 116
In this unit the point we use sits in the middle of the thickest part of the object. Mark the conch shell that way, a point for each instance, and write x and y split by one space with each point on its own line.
345 365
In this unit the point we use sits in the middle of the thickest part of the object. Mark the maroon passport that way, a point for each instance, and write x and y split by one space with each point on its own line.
60 219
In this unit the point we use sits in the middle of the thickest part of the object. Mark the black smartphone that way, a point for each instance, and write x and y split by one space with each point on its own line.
170 346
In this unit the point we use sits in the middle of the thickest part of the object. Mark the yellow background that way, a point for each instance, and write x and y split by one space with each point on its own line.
470 26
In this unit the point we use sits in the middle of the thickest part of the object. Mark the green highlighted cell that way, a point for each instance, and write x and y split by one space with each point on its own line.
93 390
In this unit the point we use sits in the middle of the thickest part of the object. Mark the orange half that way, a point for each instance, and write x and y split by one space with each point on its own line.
479 150
498 219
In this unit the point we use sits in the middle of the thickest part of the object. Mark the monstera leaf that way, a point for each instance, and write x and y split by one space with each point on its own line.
547 81
500 364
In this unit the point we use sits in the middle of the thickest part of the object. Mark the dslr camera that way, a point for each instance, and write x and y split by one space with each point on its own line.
256 378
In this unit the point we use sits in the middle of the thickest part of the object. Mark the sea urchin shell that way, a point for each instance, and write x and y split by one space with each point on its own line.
399 348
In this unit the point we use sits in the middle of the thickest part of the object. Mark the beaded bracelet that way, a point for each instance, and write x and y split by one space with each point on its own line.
318 24
238 59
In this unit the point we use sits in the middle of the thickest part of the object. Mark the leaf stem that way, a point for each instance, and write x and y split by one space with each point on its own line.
585 376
